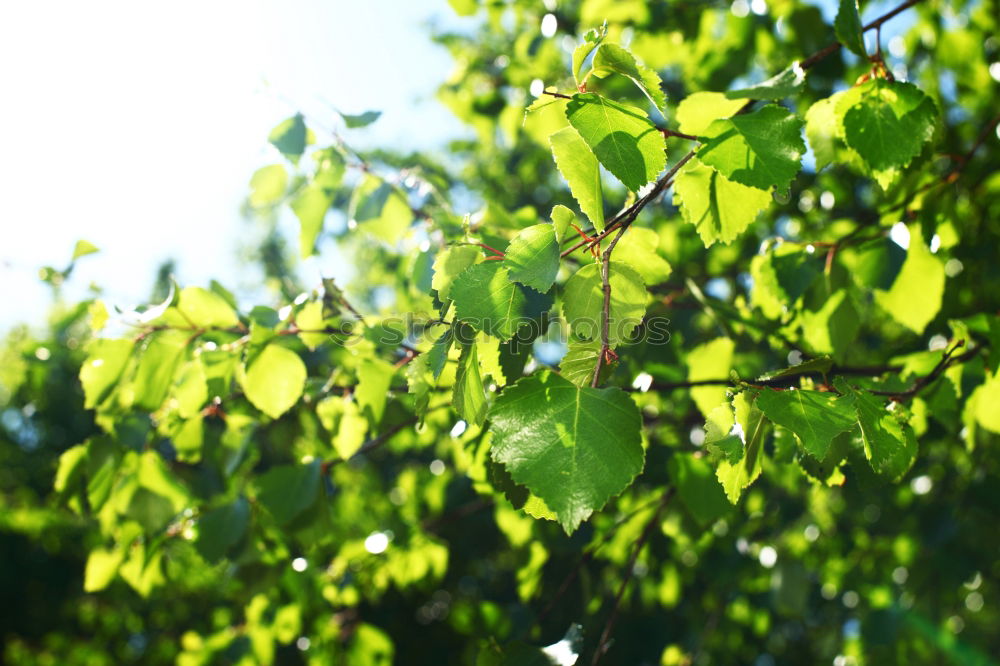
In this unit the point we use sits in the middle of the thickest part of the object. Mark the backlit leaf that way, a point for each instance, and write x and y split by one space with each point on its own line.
622 138
719 208
274 380
580 168
761 149
573 447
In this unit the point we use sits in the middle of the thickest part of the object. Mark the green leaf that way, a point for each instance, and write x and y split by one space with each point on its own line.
697 111
487 300
354 121
274 380
102 567
311 323
500 480
579 167
149 509
794 270
380 209
267 185
449 264
915 296
578 364
206 309
191 390
710 360
154 475
72 463
719 208
622 138
464 7
289 137
612 58
822 130
561 217
816 417
890 446
99 373
987 398
887 123
786 83
374 379
287 490
532 258
351 429
831 329
847 27
157 364
220 528
583 302
469 395
490 363
637 248
591 40
83 248
573 447
437 355
735 476
310 205
760 149
698 488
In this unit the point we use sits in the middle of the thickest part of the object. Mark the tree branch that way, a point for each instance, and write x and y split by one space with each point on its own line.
877 23
947 360
789 380
603 643
606 308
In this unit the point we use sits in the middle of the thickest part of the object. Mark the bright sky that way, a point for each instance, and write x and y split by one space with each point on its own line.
136 125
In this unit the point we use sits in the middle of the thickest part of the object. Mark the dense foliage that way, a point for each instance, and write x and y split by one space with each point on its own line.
692 358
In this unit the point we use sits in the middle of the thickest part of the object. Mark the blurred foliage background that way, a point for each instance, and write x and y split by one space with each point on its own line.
406 553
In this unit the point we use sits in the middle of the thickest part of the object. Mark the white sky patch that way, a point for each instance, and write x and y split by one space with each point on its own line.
561 653
549 25
921 485
151 118
376 542
536 88
900 235
642 381
300 564
768 557
459 428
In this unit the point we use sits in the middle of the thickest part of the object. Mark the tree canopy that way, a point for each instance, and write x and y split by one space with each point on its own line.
687 354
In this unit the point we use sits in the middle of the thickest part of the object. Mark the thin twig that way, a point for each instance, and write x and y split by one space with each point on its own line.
877 23
629 214
589 555
606 308
603 643
948 359
680 135
790 380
